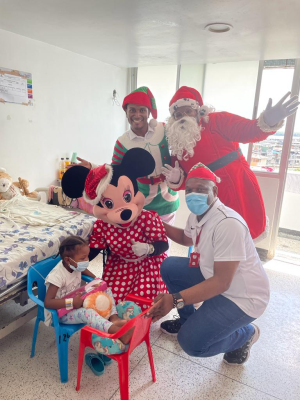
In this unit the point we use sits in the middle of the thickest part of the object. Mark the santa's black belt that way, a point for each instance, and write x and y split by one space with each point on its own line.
225 160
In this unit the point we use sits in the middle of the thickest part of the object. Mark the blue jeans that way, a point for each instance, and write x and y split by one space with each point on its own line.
218 326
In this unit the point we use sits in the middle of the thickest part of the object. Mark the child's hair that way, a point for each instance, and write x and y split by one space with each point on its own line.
67 247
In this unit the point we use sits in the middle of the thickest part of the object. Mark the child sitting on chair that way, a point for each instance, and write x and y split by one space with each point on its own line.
66 277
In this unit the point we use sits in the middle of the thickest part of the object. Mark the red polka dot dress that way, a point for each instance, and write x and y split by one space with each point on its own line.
124 271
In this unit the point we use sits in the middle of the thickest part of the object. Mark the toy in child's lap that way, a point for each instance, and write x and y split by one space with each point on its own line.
97 299
10 189
94 288
100 302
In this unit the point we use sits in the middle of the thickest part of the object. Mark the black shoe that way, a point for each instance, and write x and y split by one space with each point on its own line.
171 327
241 355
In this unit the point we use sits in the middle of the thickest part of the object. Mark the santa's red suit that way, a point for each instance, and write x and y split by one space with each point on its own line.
220 136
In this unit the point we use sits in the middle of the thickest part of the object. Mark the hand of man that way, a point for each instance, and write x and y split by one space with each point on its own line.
139 249
171 174
163 304
275 114
83 163
77 302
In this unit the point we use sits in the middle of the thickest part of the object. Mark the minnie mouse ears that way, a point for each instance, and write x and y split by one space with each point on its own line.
73 181
79 181
96 183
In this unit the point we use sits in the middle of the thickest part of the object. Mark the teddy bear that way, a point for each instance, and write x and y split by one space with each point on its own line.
10 189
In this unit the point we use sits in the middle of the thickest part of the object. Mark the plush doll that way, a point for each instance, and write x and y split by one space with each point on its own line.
9 189
100 302
135 237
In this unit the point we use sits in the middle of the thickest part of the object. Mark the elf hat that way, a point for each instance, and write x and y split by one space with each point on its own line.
96 183
201 171
185 96
143 97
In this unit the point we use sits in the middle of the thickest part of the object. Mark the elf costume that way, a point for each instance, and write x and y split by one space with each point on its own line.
159 197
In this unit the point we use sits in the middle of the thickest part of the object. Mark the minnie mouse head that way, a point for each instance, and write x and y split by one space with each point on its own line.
112 189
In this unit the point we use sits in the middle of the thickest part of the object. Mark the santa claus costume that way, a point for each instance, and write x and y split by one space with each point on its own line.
213 139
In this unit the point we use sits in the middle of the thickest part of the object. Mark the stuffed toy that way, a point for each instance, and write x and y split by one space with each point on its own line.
9 189
136 238
101 302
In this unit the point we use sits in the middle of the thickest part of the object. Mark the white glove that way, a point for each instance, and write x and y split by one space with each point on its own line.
172 174
140 249
275 114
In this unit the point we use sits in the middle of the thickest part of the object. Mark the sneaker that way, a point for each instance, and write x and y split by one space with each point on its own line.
241 355
172 326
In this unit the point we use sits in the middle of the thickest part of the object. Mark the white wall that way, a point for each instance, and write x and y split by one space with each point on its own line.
161 80
269 191
193 76
72 109
290 213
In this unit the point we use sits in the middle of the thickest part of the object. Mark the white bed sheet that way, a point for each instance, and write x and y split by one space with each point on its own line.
22 245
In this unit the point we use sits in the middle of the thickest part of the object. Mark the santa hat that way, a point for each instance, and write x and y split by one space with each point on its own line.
143 97
96 183
201 171
185 96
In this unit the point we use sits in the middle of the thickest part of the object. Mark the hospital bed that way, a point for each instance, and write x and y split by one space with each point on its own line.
31 232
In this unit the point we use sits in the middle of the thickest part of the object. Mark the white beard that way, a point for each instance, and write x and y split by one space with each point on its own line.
182 136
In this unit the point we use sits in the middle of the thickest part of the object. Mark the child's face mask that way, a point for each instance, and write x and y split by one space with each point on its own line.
81 265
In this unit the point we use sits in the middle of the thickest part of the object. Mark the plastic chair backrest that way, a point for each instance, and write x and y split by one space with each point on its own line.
141 327
43 267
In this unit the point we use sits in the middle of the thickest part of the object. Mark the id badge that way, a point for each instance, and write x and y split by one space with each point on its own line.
194 259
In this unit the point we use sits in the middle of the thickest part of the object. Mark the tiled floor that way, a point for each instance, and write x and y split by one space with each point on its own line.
272 371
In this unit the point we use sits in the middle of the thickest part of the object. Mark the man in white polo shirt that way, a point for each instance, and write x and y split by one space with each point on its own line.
230 282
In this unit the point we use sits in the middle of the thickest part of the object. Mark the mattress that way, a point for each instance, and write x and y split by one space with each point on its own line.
31 232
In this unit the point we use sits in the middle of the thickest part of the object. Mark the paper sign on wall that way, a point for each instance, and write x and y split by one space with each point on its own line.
15 86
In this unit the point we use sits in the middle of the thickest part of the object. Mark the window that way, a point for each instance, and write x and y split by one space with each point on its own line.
277 79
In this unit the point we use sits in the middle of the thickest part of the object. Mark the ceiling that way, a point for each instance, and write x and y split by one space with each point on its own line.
130 33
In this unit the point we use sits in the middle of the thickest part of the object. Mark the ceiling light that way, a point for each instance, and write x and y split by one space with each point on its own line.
218 27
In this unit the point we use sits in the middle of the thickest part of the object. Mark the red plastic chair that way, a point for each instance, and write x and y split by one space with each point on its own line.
140 334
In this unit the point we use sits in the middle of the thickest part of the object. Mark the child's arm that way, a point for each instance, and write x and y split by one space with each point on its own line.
55 304
51 301
89 273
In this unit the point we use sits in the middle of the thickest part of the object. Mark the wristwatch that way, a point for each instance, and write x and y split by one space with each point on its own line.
178 301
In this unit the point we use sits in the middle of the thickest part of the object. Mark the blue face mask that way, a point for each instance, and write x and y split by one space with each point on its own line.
197 203
81 265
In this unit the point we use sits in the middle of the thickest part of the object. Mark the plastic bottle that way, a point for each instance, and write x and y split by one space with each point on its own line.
74 158
67 162
61 169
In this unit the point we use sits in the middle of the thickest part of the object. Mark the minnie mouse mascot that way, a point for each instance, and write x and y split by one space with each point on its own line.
135 237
